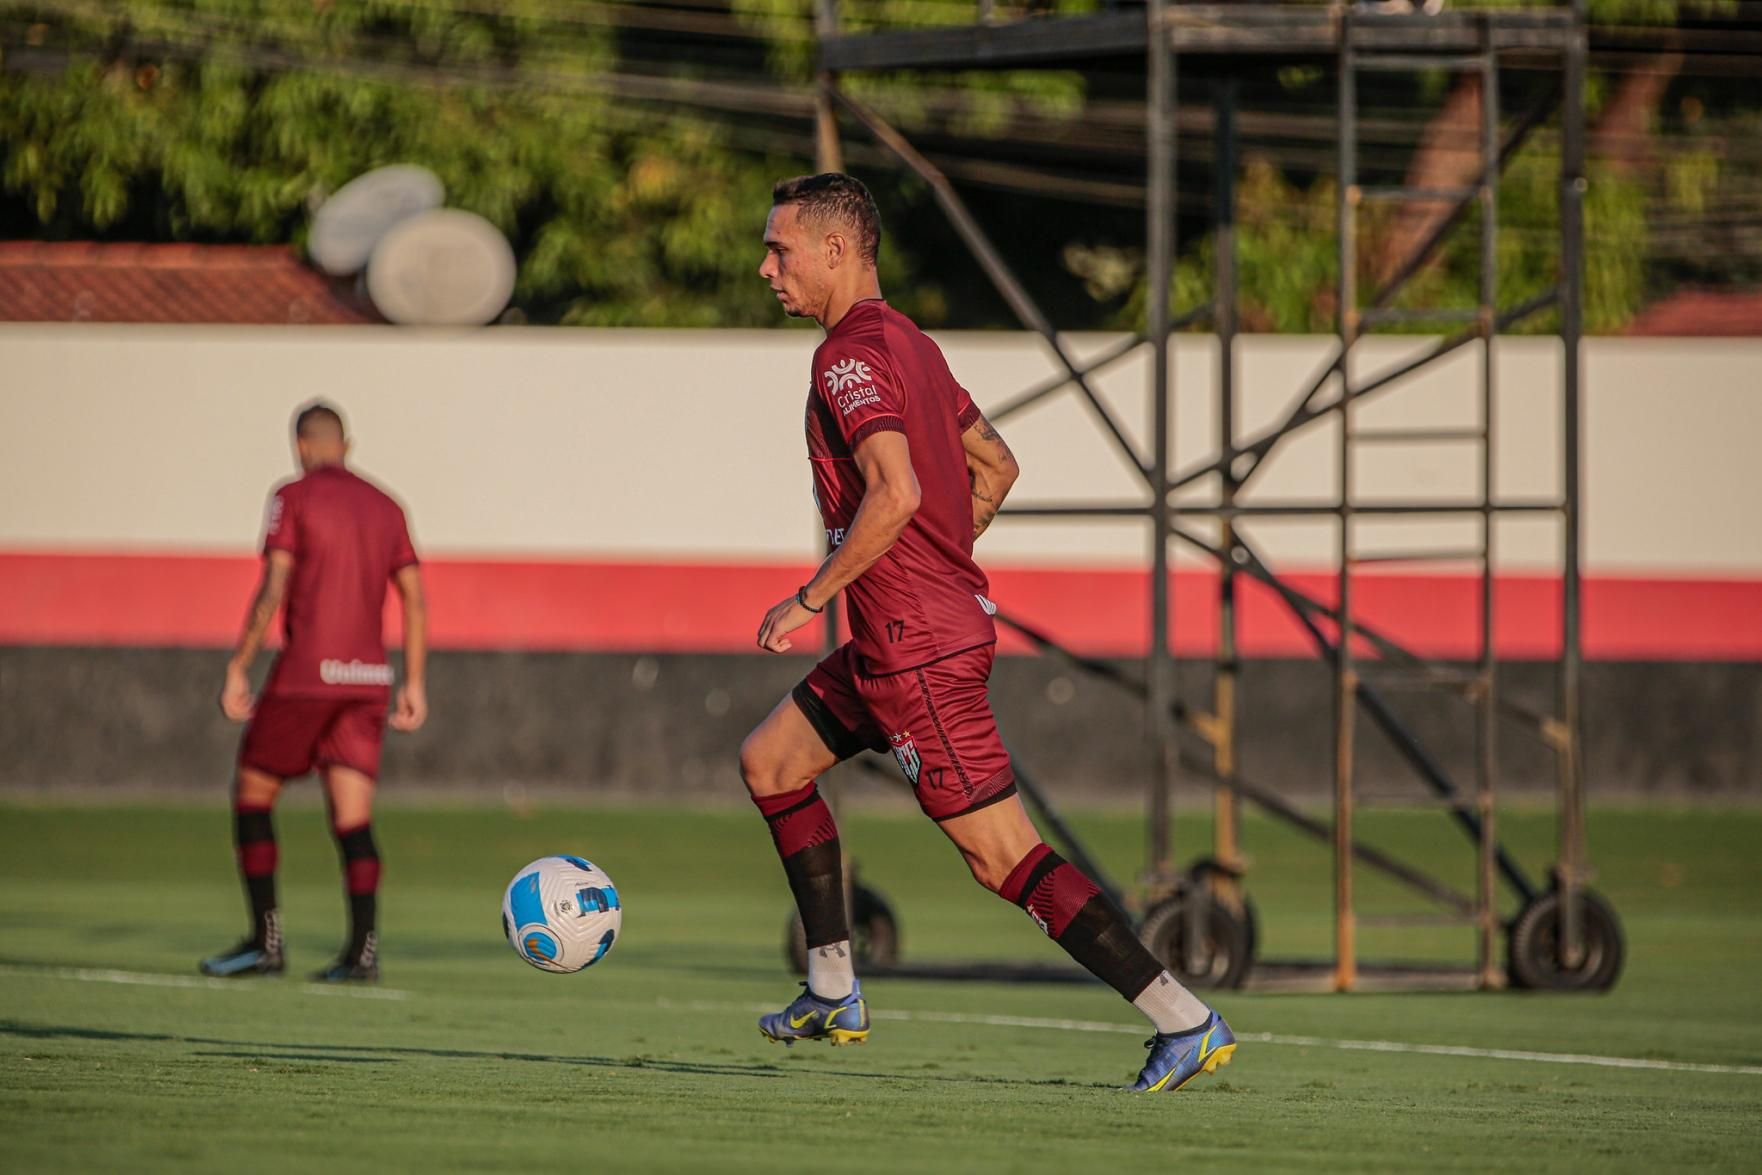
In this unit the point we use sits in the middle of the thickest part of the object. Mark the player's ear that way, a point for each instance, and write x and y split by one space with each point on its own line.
836 249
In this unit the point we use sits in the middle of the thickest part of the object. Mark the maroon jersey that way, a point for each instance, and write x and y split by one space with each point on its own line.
348 538
925 598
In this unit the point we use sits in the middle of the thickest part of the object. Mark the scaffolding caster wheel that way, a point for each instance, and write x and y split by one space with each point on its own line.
1224 951
1532 945
874 933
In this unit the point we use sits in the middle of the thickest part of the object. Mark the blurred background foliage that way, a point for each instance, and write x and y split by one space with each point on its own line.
627 150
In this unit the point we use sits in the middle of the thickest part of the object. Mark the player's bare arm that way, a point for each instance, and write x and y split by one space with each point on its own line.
236 701
412 708
890 498
992 470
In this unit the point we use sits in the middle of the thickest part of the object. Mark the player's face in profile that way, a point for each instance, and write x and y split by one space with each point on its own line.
793 266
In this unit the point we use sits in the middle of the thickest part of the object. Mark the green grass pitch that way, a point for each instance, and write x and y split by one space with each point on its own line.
115 1056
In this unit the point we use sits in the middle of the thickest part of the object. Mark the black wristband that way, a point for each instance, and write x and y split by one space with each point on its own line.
801 597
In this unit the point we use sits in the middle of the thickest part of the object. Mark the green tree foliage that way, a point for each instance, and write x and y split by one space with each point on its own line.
231 119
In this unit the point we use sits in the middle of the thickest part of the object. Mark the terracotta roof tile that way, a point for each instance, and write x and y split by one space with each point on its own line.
1703 314
87 281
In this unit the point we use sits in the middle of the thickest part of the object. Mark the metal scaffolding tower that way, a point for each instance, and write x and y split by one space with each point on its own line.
1200 920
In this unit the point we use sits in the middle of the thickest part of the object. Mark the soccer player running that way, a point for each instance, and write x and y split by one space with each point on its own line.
907 474
332 544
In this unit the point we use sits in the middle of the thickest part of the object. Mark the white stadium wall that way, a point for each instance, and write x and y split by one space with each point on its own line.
621 496
537 457
656 444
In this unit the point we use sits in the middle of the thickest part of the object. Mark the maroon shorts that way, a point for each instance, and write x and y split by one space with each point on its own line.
935 719
289 736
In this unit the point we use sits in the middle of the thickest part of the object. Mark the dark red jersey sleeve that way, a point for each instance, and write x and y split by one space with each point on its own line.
966 413
858 387
281 528
403 552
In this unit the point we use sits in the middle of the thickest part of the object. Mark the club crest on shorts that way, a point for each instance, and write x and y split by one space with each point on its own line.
905 752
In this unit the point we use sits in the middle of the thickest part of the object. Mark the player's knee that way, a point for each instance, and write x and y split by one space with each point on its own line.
253 789
988 869
759 769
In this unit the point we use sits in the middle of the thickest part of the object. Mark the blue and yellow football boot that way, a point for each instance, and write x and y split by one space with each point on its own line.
1178 1057
844 1021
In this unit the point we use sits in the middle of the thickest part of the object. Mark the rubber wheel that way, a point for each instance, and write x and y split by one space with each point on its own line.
1532 946
1206 871
874 933
1251 928
1225 954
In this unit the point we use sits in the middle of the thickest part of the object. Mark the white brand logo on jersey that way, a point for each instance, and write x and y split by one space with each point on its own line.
333 672
835 537
846 373
849 402
985 605
850 383
275 509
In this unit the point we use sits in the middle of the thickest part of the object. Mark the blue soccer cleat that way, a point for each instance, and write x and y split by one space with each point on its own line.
1178 1057
837 1022
246 959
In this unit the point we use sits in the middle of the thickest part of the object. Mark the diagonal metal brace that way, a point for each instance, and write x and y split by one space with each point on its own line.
994 265
1302 412
1408 747
1307 413
1262 797
1520 715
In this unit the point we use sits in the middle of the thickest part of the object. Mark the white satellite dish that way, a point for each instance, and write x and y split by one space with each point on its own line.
442 268
347 226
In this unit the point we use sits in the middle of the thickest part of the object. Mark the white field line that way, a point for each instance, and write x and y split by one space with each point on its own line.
149 979
1273 1038
145 979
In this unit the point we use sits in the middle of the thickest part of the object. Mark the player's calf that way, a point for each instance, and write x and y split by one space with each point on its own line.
259 952
806 837
1190 1038
359 961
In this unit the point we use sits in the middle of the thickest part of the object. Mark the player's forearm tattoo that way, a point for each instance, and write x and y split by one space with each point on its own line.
988 497
261 613
256 625
984 506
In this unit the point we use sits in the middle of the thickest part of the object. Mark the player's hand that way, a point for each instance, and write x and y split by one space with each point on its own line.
236 701
412 708
779 622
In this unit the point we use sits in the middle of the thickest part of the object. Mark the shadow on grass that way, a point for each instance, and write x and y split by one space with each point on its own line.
357 1054
302 1058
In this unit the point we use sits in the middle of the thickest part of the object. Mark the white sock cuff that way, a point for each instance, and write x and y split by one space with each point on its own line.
1171 1007
832 970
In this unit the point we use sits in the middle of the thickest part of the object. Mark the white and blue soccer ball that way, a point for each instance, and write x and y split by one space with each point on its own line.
562 914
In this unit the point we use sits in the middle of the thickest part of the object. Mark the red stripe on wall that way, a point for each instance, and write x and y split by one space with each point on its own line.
194 600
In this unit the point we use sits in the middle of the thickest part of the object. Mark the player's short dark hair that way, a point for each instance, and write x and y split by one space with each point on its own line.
318 415
833 198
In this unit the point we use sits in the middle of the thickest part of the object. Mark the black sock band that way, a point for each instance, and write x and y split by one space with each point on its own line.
816 878
252 825
1100 938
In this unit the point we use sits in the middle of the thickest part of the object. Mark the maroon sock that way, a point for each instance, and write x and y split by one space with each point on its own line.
254 841
1074 913
361 881
806 837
